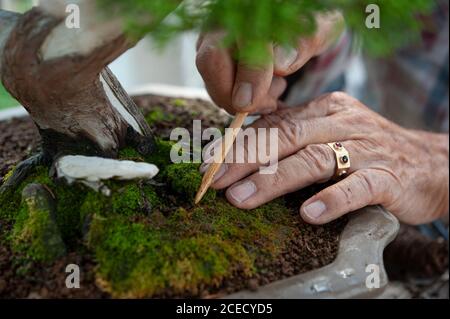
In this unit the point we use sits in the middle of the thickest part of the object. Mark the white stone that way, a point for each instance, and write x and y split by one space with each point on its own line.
93 169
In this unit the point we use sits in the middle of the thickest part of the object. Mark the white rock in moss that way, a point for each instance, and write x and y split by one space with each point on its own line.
94 169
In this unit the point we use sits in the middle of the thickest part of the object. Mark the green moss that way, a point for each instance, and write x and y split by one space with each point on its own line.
179 102
161 156
94 203
68 200
130 154
185 179
9 205
127 200
158 115
147 260
10 200
193 247
35 233
151 196
8 175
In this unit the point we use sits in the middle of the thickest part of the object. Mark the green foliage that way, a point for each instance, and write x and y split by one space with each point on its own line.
399 22
253 24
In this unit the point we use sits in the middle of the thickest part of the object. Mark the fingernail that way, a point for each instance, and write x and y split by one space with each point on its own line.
284 57
243 95
223 168
315 209
203 167
243 191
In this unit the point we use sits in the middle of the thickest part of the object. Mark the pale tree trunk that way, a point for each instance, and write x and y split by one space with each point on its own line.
60 76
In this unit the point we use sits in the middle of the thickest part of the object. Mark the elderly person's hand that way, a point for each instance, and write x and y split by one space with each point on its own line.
404 170
238 87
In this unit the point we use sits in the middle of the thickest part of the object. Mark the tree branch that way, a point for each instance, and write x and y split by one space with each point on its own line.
95 30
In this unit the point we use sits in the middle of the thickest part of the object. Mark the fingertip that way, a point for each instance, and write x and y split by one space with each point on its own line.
242 96
277 87
284 58
239 193
313 211
251 87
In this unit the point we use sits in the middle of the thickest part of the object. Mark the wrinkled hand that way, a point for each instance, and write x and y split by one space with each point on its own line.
406 171
238 87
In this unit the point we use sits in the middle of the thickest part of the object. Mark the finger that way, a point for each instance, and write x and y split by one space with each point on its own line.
360 189
289 137
288 60
277 87
294 130
251 88
217 69
313 164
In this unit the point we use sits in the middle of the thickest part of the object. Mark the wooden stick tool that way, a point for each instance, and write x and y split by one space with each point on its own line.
230 136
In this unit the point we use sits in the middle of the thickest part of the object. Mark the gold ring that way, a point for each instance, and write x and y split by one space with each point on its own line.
342 159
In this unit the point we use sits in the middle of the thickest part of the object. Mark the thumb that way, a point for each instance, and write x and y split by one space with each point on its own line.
251 91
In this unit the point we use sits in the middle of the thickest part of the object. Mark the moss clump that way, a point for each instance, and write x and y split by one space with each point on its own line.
133 199
35 233
130 154
185 179
188 249
158 115
161 156
179 102
11 199
8 175
127 201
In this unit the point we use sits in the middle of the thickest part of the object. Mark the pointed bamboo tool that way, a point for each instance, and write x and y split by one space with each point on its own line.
213 168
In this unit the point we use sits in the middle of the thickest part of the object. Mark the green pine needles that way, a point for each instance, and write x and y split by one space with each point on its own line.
255 23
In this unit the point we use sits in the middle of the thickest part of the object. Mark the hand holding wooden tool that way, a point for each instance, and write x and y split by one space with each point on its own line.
214 167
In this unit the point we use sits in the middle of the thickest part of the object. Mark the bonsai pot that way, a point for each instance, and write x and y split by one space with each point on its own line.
356 271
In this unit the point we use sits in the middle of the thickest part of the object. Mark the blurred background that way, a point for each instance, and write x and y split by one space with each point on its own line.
144 64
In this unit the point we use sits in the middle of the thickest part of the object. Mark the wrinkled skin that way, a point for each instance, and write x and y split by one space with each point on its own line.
239 87
404 170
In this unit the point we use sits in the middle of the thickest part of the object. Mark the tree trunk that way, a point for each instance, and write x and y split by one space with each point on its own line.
74 99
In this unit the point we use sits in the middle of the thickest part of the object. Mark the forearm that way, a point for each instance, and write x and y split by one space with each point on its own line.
442 166
437 147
